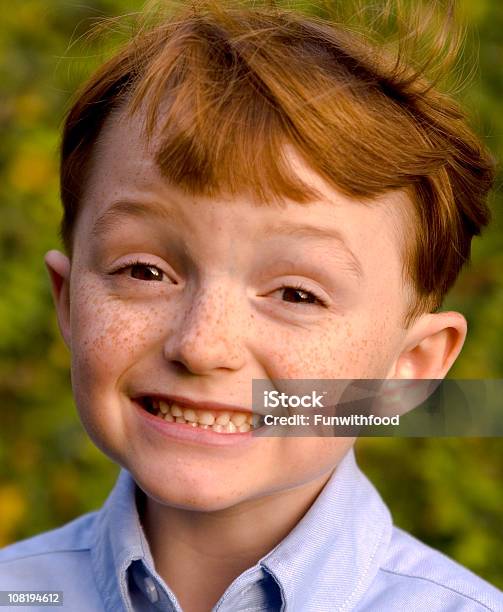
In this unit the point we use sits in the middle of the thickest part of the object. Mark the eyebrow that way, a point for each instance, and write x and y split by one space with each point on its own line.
124 209
313 232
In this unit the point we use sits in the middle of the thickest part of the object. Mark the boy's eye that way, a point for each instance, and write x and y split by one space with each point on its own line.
298 295
146 272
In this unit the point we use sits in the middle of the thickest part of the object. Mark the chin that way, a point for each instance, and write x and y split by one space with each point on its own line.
192 498
187 491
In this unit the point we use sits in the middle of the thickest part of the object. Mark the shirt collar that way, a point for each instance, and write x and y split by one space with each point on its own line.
329 559
326 562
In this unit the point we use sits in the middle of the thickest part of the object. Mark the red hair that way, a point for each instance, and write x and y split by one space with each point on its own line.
226 87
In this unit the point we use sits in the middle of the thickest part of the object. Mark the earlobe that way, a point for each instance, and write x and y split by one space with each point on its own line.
431 346
59 266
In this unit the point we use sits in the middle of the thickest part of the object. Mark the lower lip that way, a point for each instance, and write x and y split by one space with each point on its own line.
189 434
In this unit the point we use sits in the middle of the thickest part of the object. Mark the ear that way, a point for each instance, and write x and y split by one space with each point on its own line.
59 266
431 346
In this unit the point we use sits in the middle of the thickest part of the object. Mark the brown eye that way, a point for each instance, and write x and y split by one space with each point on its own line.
298 296
146 272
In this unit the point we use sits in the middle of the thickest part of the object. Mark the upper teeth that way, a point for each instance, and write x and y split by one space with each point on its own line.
221 422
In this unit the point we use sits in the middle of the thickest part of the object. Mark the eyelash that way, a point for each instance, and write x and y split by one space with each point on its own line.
296 286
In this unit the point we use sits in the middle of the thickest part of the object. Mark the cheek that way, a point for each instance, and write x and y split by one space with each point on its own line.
108 334
346 348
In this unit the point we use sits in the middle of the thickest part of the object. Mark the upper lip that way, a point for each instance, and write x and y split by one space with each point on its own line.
194 404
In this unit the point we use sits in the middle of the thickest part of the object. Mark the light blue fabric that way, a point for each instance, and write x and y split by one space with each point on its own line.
344 555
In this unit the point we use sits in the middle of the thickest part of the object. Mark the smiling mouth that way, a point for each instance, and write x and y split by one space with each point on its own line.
219 421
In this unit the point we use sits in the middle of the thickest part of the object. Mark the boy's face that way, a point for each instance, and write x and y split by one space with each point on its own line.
234 291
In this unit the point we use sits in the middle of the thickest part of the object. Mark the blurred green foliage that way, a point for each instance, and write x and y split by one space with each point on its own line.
446 492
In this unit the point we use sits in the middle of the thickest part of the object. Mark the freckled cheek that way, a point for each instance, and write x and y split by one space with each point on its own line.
107 335
348 349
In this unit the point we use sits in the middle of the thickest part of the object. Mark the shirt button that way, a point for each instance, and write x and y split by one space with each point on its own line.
151 589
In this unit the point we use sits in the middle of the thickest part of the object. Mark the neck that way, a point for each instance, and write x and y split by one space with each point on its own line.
211 549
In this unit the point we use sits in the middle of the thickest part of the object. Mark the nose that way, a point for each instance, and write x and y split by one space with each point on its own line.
208 334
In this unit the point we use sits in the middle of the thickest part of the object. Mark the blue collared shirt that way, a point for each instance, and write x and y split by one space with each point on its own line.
345 554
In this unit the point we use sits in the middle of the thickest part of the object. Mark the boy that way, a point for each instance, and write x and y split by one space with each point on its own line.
251 194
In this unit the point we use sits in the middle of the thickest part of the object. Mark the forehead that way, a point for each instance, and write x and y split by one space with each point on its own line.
124 168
